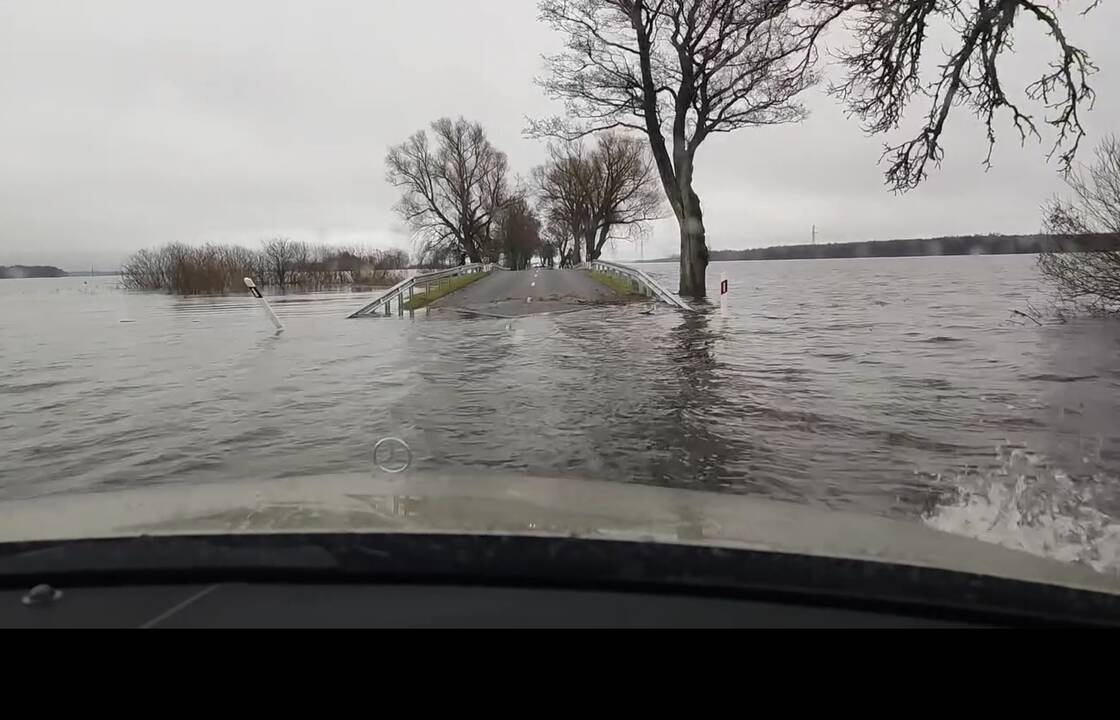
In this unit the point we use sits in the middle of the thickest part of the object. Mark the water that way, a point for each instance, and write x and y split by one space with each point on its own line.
899 387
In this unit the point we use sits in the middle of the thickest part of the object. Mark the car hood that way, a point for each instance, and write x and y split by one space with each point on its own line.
521 505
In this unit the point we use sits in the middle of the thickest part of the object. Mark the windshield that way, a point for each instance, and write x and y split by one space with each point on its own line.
533 267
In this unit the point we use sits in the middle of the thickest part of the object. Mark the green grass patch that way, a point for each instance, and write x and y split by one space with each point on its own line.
620 285
448 286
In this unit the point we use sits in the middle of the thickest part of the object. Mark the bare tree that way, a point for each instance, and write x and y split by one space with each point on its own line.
452 187
210 268
354 264
603 194
678 71
144 270
561 187
559 236
884 73
281 256
623 191
518 231
547 252
683 70
1087 279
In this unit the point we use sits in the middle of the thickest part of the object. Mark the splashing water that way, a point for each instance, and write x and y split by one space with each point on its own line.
1027 505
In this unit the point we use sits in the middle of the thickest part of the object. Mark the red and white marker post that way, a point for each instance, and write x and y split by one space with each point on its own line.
723 292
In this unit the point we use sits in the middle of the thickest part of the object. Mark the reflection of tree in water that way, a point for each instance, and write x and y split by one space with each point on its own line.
700 438
458 385
693 450
606 395
663 410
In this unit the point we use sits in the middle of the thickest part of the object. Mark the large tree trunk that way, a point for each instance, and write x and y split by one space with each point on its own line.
595 251
589 243
694 247
675 171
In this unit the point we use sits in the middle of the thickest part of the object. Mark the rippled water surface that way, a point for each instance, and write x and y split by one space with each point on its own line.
900 387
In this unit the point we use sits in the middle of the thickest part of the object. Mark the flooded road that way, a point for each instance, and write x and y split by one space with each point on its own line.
898 387
508 293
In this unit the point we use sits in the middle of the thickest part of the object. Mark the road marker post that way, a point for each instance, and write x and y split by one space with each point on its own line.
723 292
255 292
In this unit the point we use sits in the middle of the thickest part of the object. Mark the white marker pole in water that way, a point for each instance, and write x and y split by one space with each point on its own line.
723 292
268 308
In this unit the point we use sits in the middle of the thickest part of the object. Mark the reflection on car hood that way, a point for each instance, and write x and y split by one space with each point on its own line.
502 504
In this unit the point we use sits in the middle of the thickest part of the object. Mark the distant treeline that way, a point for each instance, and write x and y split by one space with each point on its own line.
956 245
192 270
31 271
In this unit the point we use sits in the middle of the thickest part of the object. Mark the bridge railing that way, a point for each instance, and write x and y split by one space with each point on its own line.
639 280
404 291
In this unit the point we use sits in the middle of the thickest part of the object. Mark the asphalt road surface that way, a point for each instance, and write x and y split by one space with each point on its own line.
527 292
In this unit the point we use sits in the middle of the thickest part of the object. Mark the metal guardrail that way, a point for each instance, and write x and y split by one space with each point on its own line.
407 287
639 280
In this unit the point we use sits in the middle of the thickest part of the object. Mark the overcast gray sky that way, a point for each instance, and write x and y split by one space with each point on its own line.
130 123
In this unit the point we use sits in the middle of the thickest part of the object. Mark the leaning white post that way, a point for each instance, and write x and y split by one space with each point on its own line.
268 308
723 292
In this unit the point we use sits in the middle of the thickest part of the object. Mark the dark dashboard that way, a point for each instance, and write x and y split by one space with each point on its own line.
247 605
416 580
